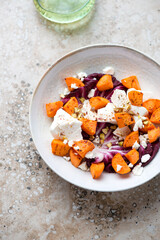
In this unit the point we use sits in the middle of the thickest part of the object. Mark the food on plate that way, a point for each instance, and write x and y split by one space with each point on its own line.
96 169
53 107
131 82
71 105
101 124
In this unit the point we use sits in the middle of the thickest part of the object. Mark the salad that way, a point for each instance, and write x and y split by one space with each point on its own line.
102 124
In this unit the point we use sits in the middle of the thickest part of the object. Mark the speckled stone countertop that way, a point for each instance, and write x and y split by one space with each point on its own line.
36 204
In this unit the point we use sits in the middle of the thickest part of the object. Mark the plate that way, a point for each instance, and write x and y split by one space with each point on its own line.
91 59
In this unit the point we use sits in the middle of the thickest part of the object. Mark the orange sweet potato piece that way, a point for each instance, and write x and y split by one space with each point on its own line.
147 126
72 80
131 139
96 169
83 146
53 107
98 102
157 104
59 148
153 134
124 119
70 105
89 126
131 82
155 117
136 98
117 161
149 105
76 159
105 83
133 156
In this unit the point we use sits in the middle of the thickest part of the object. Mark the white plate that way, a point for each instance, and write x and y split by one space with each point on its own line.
91 59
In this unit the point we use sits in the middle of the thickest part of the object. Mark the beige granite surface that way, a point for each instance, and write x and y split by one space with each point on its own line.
36 204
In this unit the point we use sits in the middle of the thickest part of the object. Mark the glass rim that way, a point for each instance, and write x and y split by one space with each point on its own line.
65 14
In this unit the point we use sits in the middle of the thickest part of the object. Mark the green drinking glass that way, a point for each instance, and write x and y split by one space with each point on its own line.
64 11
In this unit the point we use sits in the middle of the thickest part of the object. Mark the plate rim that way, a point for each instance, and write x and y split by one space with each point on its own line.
70 53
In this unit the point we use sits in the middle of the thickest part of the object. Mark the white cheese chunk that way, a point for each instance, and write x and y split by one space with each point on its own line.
122 132
81 75
108 70
70 143
145 158
119 99
138 124
136 145
74 86
142 111
130 165
118 167
76 148
106 114
138 169
95 154
66 126
83 166
143 140
66 91
65 141
67 158
91 93
86 111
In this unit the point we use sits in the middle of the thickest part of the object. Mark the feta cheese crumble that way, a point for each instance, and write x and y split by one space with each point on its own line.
83 166
106 114
86 111
141 111
91 93
145 158
66 126
108 70
70 143
130 165
95 154
138 169
119 99
143 140
66 91
81 75
118 167
136 145
76 148
65 141
138 124
74 86
67 158
122 132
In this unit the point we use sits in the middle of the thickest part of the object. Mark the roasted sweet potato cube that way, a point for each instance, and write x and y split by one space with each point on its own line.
53 107
153 134
131 82
124 119
119 164
133 156
59 148
136 98
96 169
131 139
98 102
70 105
88 126
83 146
76 159
72 80
105 83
